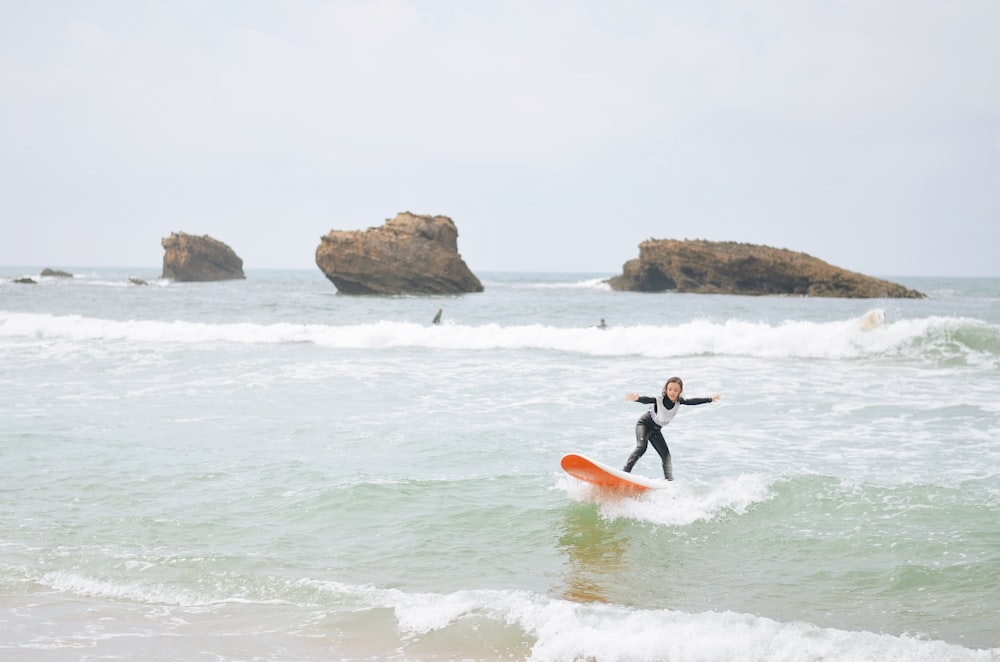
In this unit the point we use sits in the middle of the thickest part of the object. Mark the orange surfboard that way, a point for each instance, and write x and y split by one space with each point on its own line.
603 475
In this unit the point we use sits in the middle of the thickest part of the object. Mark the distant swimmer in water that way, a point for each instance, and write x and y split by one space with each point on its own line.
437 318
648 430
602 325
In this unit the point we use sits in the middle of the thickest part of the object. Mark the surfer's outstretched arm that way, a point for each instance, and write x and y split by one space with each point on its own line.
699 401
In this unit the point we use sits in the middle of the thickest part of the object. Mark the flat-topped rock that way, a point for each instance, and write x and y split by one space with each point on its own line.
189 258
409 254
709 267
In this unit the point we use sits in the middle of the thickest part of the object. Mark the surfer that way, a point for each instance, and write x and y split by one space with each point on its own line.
437 318
648 428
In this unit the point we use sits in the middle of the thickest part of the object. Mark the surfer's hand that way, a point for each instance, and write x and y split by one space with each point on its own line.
715 398
632 397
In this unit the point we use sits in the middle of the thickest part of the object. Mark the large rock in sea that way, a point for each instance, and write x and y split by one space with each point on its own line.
188 258
409 254
709 267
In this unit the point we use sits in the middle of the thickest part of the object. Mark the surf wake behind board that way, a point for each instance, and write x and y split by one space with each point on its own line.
603 475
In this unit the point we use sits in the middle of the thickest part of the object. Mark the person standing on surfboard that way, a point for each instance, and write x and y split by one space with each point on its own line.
662 410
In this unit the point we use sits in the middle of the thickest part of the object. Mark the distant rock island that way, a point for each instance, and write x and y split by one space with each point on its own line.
409 254
46 273
188 258
709 267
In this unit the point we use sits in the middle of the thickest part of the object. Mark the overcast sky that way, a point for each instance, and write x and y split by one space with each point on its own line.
557 135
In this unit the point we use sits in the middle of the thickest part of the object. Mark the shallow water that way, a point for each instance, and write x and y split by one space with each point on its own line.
265 469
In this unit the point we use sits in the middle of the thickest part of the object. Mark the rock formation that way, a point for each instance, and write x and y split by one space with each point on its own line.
56 273
709 267
409 254
188 258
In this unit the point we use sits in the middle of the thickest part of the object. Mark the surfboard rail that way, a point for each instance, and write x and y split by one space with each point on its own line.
605 476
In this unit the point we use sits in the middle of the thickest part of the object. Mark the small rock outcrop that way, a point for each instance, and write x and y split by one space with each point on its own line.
56 273
188 258
409 254
709 267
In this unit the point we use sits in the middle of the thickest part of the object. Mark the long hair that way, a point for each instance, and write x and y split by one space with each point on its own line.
673 380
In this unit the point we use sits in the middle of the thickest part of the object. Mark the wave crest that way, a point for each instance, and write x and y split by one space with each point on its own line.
946 339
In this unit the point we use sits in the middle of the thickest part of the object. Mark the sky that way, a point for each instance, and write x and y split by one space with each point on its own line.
558 135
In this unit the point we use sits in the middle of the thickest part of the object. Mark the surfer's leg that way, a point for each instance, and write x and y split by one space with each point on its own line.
641 437
660 444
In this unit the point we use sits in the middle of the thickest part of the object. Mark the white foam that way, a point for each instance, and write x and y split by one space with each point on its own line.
588 283
558 629
77 584
563 630
679 504
794 339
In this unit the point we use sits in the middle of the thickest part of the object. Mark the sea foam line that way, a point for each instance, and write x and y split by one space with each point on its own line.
565 630
937 337
682 503
558 628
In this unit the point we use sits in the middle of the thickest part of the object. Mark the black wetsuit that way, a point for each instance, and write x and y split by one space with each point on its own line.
648 432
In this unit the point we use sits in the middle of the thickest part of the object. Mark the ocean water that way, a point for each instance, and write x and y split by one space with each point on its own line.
268 470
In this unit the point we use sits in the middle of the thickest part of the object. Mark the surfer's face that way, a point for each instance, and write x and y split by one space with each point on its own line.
673 391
